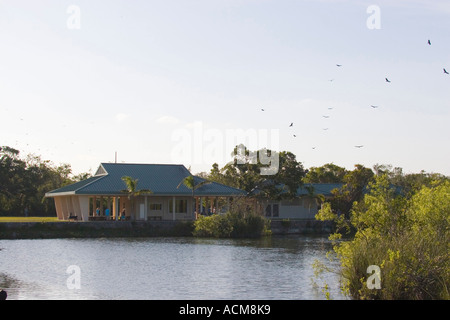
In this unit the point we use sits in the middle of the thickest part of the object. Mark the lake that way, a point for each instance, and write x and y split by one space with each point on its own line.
166 268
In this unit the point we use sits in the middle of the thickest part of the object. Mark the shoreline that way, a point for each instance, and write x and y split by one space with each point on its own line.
106 229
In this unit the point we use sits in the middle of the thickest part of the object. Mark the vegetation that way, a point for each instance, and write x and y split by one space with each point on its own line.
239 222
132 189
245 172
405 234
24 183
385 218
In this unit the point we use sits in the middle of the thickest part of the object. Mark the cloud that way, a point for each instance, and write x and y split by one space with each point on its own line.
168 120
121 117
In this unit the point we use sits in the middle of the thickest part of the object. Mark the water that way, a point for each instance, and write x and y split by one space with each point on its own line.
166 268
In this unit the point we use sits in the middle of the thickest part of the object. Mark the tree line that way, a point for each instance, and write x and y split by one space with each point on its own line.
245 173
24 181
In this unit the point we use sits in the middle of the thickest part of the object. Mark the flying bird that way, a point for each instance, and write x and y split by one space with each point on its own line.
330 108
339 65
262 109
429 42
325 128
291 124
374 106
387 80
445 71
326 116
294 135
360 146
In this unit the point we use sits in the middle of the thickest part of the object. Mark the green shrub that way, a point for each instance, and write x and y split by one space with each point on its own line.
407 239
231 225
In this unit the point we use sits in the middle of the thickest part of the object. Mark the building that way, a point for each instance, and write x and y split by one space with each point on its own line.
304 206
104 196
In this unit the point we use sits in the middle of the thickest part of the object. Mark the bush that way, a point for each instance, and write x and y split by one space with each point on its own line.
407 239
239 222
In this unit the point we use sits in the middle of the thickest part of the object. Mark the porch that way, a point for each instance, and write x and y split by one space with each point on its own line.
139 208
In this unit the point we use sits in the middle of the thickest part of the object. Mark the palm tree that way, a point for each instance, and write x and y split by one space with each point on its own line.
191 183
317 198
132 189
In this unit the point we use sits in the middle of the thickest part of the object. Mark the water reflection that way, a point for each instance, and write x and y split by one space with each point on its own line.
165 268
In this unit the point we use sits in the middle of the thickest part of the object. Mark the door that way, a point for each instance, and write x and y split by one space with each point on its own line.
142 211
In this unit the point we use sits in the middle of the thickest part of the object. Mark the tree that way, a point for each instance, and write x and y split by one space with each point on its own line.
246 173
193 184
313 197
405 238
355 184
132 189
24 182
328 173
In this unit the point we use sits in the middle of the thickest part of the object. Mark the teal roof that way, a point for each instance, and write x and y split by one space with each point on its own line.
318 188
161 179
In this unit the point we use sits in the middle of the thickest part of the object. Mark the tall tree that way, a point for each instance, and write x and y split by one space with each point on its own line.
328 173
355 184
193 184
247 172
132 189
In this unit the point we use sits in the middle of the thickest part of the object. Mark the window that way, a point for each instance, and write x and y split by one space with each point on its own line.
275 210
180 206
156 206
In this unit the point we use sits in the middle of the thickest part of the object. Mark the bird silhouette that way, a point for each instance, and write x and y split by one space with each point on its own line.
294 135
330 108
325 128
445 71
313 148
360 146
326 116
339 65
429 42
262 109
291 124
374 106
387 80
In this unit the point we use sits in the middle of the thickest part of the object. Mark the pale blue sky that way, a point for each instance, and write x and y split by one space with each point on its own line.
173 81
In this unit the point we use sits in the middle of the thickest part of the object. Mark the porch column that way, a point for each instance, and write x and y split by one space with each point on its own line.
94 205
117 208
101 206
83 202
109 206
216 205
145 207
173 208
59 209
114 208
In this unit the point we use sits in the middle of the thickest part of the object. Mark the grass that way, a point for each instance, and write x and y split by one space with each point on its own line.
28 219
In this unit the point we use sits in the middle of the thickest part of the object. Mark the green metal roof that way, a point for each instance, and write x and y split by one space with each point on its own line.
318 188
161 179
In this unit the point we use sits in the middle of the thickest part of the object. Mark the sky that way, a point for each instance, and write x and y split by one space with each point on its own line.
183 82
